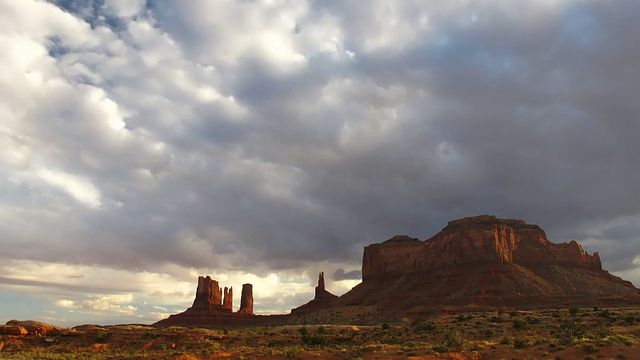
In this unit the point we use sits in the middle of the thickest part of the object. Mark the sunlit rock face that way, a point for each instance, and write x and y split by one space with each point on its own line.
246 300
484 261
209 297
480 240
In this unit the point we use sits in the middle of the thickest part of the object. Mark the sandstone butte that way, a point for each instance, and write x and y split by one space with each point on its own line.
474 263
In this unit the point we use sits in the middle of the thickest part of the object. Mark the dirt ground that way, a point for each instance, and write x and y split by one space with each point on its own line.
504 334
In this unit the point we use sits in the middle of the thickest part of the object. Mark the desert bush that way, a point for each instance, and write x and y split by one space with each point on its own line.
102 336
507 340
574 310
454 340
589 348
419 325
542 340
625 339
521 343
532 320
440 349
519 324
606 313
292 352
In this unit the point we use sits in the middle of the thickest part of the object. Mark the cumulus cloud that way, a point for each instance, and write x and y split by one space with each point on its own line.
278 137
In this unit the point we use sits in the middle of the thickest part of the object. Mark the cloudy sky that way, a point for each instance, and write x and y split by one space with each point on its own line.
144 143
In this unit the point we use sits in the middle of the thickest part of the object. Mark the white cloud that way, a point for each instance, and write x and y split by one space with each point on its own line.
65 303
264 141
112 303
124 8
80 189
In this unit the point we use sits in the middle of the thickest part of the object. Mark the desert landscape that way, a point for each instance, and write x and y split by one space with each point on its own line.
482 288
454 179
573 333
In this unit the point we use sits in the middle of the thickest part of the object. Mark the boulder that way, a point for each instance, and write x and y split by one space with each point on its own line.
13 330
36 327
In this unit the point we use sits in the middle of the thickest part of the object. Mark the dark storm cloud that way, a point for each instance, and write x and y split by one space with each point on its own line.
341 274
266 137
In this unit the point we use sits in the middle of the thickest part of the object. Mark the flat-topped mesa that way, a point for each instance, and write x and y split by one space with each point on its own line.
470 241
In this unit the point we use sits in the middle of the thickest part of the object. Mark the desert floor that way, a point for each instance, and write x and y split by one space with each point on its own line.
504 334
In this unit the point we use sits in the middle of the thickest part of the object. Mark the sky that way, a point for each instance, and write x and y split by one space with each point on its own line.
144 143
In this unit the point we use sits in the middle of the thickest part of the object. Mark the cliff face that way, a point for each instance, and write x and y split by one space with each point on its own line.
480 240
484 261
209 297
246 300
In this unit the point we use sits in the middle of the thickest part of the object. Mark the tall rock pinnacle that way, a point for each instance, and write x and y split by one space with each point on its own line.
246 300
320 288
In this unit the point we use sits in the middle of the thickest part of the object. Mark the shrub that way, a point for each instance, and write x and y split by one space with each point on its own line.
419 325
542 340
520 343
440 349
519 325
292 352
605 313
454 340
589 348
574 310
532 320
101 336
507 340
629 320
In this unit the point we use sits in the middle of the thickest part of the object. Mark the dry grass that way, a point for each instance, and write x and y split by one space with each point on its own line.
546 334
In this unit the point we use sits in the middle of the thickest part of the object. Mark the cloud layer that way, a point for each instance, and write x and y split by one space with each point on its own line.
280 137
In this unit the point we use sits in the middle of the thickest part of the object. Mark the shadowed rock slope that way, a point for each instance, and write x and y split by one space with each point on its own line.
484 261
322 300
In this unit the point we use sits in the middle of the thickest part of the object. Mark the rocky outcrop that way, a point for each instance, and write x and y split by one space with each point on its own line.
213 306
246 300
13 330
227 301
322 300
31 327
484 261
209 297
480 240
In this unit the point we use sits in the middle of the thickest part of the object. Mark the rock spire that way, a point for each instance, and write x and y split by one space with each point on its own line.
246 300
